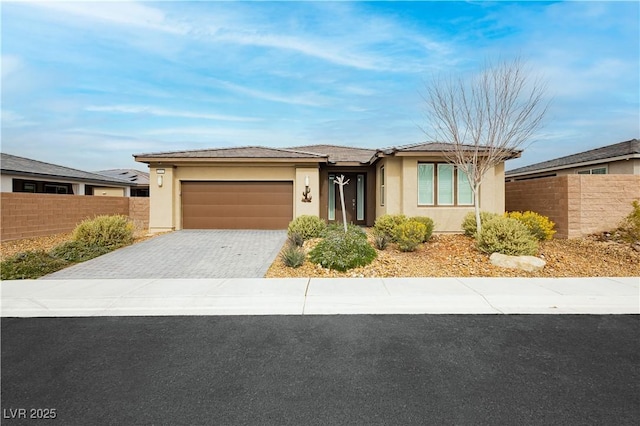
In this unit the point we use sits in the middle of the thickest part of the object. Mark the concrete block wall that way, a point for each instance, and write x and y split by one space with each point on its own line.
139 211
578 204
24 215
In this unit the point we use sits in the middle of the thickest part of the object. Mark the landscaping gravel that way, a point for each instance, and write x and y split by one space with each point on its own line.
449 255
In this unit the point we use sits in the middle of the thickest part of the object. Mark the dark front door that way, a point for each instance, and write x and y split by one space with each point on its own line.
354 198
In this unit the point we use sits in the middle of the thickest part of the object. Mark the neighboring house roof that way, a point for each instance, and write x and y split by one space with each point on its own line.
133 176
12 164
249 152
618 151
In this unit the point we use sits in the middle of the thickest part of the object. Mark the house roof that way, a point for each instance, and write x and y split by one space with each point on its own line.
12 164
621 150
133 176
340 154
248 152
333 154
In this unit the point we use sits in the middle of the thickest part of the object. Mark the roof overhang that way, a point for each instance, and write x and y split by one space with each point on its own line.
192 160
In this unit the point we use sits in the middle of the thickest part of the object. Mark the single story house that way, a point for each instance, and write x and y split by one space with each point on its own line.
20 174
256 187
617 159
138 179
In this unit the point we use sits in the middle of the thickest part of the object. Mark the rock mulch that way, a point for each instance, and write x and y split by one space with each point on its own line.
449 255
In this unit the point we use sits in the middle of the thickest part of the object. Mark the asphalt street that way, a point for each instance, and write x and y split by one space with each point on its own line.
323 370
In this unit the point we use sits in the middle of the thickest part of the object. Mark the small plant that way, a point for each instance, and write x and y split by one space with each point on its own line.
341 250
76 251
428 223
507 236
105 231
380 239
295 239
539 226
410 234
293 256
469 222
387 223
307 226
629 228
30 265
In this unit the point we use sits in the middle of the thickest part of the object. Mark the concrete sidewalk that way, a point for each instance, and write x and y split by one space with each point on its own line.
319 296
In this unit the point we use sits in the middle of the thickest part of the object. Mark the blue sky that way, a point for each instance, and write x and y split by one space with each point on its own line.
87 85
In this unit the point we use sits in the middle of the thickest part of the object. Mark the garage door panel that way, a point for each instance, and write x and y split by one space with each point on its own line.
237 205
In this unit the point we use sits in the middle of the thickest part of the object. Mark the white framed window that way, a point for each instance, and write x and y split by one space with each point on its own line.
593 171
425 184
442 184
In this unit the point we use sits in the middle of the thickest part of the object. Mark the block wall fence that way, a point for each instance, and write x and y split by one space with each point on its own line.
25 215
579 205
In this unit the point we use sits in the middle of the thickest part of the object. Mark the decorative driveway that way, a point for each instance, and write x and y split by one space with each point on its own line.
186 254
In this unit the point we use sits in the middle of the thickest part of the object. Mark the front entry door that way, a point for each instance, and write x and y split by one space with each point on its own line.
353 198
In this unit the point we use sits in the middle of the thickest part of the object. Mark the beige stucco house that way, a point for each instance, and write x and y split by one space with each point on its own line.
265 188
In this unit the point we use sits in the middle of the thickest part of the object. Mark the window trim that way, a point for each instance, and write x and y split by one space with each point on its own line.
589 171
436 187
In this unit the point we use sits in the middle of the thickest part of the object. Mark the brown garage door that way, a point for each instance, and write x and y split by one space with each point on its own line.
237 205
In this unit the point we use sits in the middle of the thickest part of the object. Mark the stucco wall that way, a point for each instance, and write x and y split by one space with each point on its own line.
166 208
26 215
401 175
579 204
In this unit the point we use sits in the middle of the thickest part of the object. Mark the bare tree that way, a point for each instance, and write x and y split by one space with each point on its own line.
341 183
485 119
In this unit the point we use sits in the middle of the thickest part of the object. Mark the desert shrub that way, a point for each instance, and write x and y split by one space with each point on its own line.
339 227
409 235
307 226
341 250
387 223
380 239
105 231
30 265
629 228
540 226
507 236
293 256
428 223
295 239
469 222
77 251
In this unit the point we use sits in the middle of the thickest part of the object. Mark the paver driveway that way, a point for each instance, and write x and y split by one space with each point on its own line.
186 254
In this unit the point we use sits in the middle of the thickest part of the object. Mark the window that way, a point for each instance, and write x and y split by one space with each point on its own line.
594 171
332 198
443 185
382 186
360 196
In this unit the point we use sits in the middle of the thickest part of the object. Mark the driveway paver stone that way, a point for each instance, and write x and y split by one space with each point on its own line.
186 254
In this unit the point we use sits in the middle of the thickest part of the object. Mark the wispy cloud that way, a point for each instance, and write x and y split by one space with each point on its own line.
150 110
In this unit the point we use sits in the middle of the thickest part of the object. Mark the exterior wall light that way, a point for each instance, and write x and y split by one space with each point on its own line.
306 197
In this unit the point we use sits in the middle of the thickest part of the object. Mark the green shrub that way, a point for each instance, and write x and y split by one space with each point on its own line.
539 226
30 265
428 223
629 228
339 227
342 251
469 222
295 239
77 251
307 226
387 223
380 239
409 235
105 231
293 256
507 236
